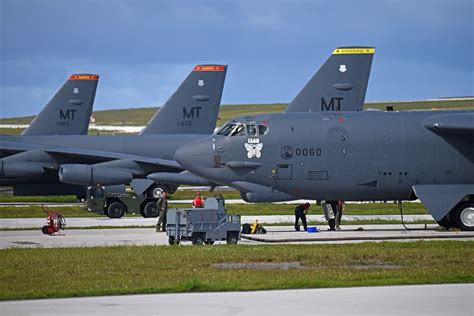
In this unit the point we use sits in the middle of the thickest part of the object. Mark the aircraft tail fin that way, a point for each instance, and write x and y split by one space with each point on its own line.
194 107
339 85
69 111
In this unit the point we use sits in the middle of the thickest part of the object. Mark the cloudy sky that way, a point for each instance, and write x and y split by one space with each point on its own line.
144 49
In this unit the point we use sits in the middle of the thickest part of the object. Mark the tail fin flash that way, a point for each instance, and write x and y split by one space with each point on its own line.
339 85
69 111
193 108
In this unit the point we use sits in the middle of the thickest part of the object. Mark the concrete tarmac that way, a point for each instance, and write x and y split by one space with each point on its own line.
276 234
447 299
140 221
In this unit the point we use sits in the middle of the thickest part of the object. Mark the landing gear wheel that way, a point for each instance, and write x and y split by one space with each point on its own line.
172 241
156 190
444 222
462 216
209 242
45 230
150 210
116 210
197 239
232 238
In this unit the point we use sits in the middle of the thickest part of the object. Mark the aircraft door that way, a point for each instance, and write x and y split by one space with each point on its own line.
284 172
293 150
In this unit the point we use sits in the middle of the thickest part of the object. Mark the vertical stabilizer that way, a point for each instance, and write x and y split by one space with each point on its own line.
194 107
339 85
69 111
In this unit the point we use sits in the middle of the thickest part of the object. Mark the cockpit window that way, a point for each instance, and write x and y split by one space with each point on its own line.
262 129
226 129
239 130
251 130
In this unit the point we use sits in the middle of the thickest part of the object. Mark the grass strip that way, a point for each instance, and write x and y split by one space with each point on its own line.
35 211
48 273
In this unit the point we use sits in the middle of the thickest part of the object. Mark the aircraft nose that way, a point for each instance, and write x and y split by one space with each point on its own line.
194 155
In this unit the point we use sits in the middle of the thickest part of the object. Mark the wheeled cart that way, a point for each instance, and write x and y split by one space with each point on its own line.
203 225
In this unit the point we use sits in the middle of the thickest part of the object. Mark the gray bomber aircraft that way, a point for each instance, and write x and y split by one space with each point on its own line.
340 84
352 156
189 114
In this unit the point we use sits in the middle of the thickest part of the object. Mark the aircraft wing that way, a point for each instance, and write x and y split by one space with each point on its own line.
11 148
102 156
455 124
456 128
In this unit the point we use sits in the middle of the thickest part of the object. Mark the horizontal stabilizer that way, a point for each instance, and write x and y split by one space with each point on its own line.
193 108
69 111
440 199
184 177
339 85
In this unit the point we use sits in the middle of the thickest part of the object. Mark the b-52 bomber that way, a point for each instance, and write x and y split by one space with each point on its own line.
189 114
352 156
339 84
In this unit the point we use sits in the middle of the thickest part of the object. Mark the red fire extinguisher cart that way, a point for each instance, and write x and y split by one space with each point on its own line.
55 222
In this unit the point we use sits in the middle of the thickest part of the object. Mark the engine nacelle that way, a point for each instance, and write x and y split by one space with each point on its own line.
260 196
20 169
93 175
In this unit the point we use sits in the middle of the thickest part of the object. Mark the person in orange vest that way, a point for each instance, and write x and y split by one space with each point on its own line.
198 202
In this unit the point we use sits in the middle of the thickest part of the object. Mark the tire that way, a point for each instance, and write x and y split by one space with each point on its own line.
198 239
444 222
232 238
172 241
150 210
116 210
45 230
462 216
209 242
156 190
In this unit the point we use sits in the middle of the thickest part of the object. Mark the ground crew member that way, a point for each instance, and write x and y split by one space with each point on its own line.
162 206
300 213
198 202
341 205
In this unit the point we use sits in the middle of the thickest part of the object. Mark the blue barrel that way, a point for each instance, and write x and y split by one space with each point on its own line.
312 229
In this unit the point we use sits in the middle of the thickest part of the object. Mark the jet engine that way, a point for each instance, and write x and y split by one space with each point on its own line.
19 169
93 175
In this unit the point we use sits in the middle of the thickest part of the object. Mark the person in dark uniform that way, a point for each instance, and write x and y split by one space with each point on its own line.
162 205
300 213
341 205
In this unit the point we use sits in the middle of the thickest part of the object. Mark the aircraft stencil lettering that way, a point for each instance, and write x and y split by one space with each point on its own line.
330 106
193 112
69 115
